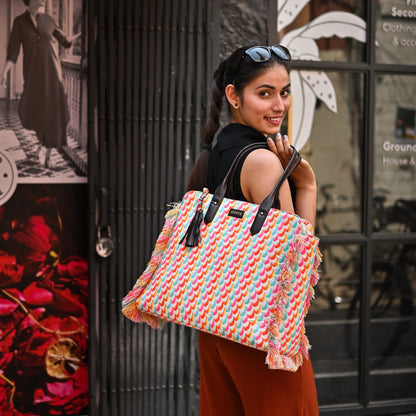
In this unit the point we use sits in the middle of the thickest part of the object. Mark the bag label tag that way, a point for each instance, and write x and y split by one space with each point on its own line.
236 213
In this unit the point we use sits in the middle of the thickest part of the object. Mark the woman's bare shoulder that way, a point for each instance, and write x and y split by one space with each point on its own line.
261 171
263 160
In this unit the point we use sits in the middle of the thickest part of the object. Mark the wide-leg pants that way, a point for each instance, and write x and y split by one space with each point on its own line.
235 381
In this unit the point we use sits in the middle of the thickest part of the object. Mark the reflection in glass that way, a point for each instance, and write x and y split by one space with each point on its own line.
332 325
393 323
334 151
396 32
394 202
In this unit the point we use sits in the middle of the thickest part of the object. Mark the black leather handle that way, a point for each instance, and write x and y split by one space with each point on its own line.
267 203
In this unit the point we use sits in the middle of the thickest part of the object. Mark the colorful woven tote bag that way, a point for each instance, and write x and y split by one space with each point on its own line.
235 269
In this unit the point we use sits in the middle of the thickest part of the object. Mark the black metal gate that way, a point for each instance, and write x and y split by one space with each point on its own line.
150 64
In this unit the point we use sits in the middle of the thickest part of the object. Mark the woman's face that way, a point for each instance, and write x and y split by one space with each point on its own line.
264 102
37 6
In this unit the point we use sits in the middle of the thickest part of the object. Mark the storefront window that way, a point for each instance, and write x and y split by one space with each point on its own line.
393 321
395 154
323 30
333 325
396 32
334 150
356 124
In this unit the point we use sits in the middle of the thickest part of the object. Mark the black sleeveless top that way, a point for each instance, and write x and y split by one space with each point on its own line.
230 140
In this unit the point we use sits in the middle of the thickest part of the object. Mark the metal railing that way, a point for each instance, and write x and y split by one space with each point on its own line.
72 86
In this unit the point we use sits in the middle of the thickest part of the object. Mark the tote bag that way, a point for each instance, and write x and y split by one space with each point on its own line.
235 269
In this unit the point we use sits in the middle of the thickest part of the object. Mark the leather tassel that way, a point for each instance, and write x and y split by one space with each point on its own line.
192 236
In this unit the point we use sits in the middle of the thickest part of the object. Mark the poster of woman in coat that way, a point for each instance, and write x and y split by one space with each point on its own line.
43 89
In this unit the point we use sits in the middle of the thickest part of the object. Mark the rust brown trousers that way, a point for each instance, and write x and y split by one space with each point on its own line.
235 381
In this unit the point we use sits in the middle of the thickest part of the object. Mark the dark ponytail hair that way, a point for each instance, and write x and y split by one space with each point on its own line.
238 70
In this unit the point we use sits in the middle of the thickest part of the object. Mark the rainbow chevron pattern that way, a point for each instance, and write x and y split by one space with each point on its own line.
254 290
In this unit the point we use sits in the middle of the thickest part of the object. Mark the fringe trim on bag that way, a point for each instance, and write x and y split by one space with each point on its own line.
314 277
276 360
129 308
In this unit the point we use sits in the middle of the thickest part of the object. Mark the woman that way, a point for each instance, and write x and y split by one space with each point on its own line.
255 82
43 106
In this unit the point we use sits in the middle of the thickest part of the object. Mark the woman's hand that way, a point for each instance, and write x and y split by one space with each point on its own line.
73 37
303 178
3 76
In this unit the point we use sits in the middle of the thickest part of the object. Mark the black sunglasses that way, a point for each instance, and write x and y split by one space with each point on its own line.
260 54
264 53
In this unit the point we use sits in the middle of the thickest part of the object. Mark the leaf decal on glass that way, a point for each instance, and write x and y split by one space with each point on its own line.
321 86
288 10
302 48
339 24
304 100
308 86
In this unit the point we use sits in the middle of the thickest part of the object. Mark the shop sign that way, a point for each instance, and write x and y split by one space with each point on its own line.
396 32
401 151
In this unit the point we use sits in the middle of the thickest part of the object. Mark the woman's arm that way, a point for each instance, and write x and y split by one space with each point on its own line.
65 41
303 178
14 44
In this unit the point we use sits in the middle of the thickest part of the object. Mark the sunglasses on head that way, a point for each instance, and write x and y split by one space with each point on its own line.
260 54
264 53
